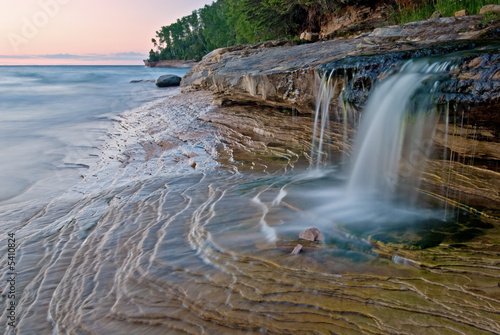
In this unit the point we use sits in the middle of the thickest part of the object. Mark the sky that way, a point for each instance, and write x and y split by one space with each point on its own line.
79 32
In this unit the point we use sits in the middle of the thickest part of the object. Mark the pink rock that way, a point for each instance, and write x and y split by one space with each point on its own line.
297 249
312 234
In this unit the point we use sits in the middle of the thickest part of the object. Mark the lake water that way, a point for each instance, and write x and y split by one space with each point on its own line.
52 117
132 210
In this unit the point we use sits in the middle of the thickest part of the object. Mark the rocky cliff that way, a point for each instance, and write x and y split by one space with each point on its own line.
287 76
170 63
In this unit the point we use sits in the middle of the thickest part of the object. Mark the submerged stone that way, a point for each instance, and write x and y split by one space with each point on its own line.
312 234
297 249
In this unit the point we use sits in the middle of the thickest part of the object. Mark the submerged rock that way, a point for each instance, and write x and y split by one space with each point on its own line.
168 80
312 234
142 81
297 249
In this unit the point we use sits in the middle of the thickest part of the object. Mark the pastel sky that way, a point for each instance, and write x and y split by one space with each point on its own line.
45 32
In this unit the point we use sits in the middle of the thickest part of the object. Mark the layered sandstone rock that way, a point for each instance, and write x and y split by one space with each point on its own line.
287 76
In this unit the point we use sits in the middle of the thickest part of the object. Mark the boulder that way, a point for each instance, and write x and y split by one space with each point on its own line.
312 234
490 9
462 12
168 80
308 36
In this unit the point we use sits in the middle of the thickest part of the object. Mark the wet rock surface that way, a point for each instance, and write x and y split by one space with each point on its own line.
312 234
297 249
168 80
180 250
286 75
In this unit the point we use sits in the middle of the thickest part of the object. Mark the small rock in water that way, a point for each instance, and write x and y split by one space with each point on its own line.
297 249
462 12
168 80
312 234
142 81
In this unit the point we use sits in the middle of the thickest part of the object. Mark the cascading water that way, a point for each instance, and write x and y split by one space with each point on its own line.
391 147
321 118
396 131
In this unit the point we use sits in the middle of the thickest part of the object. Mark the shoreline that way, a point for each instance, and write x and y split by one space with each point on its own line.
182 188
170 63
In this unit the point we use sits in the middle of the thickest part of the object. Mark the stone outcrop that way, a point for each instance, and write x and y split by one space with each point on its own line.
490 9
462 12
287 75
170 63
352 20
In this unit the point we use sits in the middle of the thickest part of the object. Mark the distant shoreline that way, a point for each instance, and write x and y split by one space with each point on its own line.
170 63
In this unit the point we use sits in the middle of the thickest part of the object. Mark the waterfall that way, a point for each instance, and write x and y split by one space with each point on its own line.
394 138
321 118
395 135
391 148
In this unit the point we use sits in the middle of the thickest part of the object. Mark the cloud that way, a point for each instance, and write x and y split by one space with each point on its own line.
62 56
17 56
129 54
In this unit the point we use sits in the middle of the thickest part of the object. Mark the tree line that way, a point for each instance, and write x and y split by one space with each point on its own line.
230 22
226 23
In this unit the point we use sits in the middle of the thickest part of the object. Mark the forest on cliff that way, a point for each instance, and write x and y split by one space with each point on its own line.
227 23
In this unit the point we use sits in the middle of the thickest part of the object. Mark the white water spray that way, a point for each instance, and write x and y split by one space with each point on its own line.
395 135
321 118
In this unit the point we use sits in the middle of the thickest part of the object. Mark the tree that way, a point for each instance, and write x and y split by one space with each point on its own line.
228 22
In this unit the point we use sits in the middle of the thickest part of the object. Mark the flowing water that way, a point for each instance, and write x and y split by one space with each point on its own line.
169 224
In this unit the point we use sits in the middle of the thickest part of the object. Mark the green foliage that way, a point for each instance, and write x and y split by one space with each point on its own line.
414 12
410 11
449 7
153 56
228 22
261 20
490 17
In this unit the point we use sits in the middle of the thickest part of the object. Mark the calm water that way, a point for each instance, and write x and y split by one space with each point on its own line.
134 215
53 117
